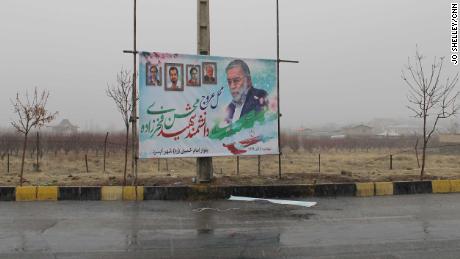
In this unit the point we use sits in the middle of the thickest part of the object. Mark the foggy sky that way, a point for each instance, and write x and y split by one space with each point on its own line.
351 52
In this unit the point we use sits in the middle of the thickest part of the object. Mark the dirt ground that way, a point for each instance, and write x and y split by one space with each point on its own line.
297 168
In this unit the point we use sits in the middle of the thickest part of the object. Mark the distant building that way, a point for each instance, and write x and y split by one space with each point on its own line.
404 130
389 133
358 131
64 127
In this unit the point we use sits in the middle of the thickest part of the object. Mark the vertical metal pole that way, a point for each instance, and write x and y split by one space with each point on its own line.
134 150
8 163
319 163
203 164
105 148
278 84
237 165
391 162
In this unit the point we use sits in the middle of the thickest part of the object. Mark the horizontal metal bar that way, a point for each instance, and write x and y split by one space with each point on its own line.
288 61
131 51
279 60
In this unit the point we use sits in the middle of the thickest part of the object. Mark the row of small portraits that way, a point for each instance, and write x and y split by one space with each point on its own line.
174 75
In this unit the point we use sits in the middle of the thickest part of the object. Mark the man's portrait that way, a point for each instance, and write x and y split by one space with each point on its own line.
193 75
153 74
209 73
174 74
245 98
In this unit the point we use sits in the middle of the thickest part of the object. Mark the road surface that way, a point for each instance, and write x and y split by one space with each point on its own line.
406 226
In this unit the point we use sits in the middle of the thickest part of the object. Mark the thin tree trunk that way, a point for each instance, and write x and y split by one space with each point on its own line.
422 171
22 160
38 152
126 154
416 153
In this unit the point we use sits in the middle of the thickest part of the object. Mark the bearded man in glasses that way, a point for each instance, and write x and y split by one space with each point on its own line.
245 98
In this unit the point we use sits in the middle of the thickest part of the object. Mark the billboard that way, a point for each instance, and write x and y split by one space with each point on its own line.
200 106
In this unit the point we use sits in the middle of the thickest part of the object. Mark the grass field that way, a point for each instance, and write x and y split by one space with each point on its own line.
297 167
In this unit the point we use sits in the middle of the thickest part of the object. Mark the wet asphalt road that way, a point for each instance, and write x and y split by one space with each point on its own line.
412 226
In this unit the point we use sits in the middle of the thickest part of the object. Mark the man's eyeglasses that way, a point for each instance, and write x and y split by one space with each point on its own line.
236 80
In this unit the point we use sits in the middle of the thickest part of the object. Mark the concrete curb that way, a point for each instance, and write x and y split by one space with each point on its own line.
202 192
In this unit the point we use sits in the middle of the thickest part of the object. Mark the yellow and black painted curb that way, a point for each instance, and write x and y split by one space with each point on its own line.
200 192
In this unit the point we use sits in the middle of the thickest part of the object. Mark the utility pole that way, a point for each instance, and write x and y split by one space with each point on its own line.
278 85
278 61
203 164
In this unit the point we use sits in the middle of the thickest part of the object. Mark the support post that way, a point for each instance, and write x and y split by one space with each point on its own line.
203 37
8 162
238 165
204 164
278 61
86 163
319 163
202 167
391 162
105 147
278 84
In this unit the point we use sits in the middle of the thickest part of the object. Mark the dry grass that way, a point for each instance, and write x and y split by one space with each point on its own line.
297 167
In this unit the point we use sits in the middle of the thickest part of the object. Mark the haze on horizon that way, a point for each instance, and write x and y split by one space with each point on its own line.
351 52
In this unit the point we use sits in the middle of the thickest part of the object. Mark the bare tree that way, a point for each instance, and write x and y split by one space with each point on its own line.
430 97
31 113
120 92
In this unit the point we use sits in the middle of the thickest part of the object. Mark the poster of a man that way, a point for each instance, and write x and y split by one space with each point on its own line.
153 75
237 115
193 75
245 98
209 73
174 77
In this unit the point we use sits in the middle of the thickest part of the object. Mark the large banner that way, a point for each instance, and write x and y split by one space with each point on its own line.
197 106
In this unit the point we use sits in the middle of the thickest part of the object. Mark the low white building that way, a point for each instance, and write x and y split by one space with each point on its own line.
64 127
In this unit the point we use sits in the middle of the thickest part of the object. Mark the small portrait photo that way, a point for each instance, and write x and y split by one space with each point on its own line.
209 73
193 75
174 75
153 73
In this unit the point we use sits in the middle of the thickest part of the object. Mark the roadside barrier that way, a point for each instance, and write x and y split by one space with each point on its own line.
201 191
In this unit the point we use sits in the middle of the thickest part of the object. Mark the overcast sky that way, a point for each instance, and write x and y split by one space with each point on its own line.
351 52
